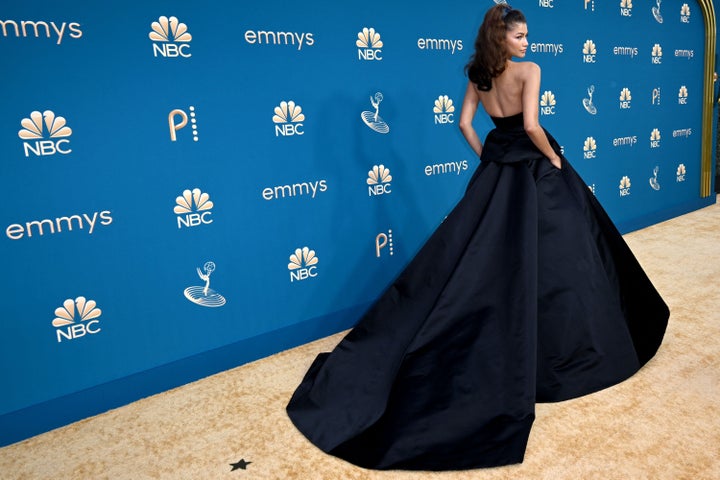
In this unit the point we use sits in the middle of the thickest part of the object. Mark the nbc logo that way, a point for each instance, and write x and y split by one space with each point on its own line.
378 181
170 37
589 148
624 186
288 119
589 51
302 264
683 95
680 173
590 5
656 54
655 138
57 132
182 116
443 110
384 240
547 103
369 44
193 208
76 318
625 98
685 13
626 8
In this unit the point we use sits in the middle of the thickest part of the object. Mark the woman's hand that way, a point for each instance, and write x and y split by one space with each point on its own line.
555 160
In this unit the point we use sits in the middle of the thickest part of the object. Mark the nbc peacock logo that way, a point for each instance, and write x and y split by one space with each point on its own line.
193 208
288 119
685 13
303 264
45 134
369 44
378 181
656 54
655 138
76 318
589 51
589 148
170 38
624 186
625 98
683 95
626 8
680 174
444 110
547 103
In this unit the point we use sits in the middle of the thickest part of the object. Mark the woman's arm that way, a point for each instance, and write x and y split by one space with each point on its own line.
530 95
469 107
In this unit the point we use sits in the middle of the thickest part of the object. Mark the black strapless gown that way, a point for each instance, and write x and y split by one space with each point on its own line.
525 293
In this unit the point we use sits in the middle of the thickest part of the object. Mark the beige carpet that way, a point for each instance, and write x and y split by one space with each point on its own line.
663 423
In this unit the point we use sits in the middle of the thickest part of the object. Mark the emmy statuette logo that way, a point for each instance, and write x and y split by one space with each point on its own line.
303 264
369 45
373 119
444 110
384 240
193 208
588 102
45 134
76 318
288 118
204 295
654 184
178 119
170 38
378 181
656 11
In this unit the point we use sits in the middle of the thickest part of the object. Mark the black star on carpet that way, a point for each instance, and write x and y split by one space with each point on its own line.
242 465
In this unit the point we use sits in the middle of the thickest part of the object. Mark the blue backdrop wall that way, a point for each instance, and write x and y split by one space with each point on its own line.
191 186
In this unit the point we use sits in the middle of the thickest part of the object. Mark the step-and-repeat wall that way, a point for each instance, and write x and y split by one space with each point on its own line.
188 186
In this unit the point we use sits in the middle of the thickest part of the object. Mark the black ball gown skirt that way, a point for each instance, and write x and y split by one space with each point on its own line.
525 293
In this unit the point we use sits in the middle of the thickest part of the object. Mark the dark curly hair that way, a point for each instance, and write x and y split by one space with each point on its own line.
490 55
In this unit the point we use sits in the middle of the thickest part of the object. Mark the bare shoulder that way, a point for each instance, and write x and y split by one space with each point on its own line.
528 69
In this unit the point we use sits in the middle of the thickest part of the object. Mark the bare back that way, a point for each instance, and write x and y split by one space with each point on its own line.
505 98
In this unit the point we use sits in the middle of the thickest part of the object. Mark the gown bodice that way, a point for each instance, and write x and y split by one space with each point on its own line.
508 123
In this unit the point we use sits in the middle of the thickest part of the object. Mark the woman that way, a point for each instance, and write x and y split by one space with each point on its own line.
525 293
